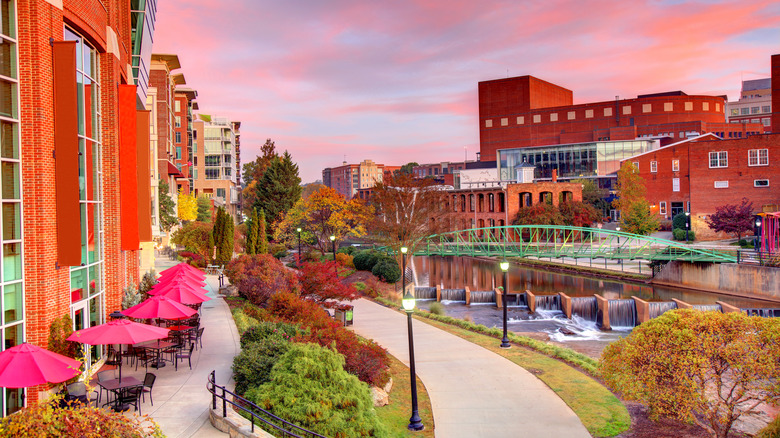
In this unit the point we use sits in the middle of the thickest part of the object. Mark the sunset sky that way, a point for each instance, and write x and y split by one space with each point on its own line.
396 81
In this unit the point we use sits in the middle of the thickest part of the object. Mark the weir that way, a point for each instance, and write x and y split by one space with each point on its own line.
708 307
766 313
425 293
482 297
622 313
584 307
453 295
548 302
659 308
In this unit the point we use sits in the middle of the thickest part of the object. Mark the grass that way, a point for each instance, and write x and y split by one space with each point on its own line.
598 409
396 414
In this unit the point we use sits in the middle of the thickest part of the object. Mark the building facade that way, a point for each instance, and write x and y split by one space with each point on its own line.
526 111
73 132
184 101
349 179
214 160
754 104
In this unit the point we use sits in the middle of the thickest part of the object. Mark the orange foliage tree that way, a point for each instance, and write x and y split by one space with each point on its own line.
707 368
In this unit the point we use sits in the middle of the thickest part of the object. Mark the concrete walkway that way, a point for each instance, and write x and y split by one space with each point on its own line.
474 392
181 401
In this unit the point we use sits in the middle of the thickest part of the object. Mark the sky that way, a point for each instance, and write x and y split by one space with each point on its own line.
396 81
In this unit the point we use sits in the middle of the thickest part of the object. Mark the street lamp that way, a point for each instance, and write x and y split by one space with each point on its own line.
415 422
757 245
333 241
299 246
687 224
505 267
618 237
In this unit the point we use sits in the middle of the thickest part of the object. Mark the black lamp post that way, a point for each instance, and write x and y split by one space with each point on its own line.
505 267
758 235
687 224
299 246
333 241
415 422
618 237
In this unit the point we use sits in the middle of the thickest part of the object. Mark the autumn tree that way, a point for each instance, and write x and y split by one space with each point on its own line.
194 237
635 215
279 189
733 219
167 207
310 189
708 368
204 209
320 283
539 214
407 210
188 207
593 195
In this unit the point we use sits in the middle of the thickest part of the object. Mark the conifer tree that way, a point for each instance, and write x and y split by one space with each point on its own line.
261 242
251 234
279 189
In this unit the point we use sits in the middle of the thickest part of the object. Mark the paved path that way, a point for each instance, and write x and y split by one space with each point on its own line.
181 401
474 392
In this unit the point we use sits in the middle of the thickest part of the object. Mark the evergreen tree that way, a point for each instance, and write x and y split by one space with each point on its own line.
279 189
204 209
167 207
251 234
225 249
261 239
211 248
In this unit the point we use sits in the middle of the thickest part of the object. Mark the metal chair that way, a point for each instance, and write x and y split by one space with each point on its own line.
196 337
187 356
104 376
132 396
148 384
78 392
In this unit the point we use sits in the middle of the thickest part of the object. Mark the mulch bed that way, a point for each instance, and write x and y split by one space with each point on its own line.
643 427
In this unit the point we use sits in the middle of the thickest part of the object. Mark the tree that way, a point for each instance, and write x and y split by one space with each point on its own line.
261 238
188 207
408 210
167 213
578 214
709 368
320 283
259 276
310 189
593 195
733 219
539 214
253 171
635 216
223 236
279 189
204 209
251 234
194 237
406 169
323 214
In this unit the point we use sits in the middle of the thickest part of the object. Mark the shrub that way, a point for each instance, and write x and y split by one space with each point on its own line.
387 270
310 388
680 234
320 283
277 248
708 368
193 259
259 276
46 419
265 329
252 367
678 221
243 322
360 286
291 308
437 308
665 225
365 260
345 260
348 250
280 254
373 288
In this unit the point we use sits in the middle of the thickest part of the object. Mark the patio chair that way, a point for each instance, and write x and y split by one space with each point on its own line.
78 392
187 356
132 396
104 376
148 384
196 337
142 355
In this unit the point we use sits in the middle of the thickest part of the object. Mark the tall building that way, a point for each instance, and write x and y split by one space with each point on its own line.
525 112
347 179
73 132
214 152
184 104
754 104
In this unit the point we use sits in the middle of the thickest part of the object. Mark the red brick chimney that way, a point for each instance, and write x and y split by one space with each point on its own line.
775 93
555 175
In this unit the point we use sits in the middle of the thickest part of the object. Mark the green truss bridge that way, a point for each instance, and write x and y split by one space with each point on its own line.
553 241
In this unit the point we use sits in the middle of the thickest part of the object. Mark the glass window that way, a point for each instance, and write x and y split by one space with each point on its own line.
744 111
760 183
675 165
178 119
654 166
754 110
719 159
675 184
662 208
758 157
766 109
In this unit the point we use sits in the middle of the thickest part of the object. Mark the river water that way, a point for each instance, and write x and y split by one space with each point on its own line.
579 334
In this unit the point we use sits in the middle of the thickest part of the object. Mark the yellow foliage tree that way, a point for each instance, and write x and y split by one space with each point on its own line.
188 207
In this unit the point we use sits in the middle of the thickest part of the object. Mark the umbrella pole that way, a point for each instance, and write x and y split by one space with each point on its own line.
120 363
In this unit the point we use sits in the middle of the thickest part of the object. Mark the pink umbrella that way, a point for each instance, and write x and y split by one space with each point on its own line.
159 307
157 288
181 277
185 294
27 365
119 331
183 267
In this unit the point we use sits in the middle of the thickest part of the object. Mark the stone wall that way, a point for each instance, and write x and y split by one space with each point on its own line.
728 278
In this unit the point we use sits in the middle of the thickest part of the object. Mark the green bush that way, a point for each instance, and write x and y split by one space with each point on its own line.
365 260
437 308
679 221
680 234
746 243
280 254
772 430
243 322
265 329
252 367
387 270
309 387
348 250
359 285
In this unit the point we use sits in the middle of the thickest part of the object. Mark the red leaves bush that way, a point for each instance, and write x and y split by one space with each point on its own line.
320 283
259 276
193 259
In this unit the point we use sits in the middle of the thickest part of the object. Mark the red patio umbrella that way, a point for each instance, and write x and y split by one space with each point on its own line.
27 365
192 284
183 293
159 307
181 276
119 331
183 267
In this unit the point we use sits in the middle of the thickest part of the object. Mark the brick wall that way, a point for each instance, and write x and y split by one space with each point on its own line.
775 93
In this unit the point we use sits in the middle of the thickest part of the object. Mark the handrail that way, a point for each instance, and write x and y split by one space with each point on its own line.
280 426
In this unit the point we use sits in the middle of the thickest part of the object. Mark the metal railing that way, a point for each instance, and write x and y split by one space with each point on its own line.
278 426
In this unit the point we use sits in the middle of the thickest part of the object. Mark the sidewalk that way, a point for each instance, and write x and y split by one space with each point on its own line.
474 392
181 401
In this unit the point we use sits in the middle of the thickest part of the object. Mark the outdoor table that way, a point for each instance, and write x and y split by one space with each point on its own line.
156 345
115 386
180 328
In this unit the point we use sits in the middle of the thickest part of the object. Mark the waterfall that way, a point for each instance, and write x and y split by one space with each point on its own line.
548 302
622 313
707 308
584 307
765 313
483 297
425 293
453 295
658 308
518 301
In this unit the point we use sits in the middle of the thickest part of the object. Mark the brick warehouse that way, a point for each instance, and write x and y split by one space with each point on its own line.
526 111
70 118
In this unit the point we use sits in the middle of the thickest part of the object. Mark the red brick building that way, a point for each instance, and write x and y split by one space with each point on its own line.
702 174
72 132
526 111
184 103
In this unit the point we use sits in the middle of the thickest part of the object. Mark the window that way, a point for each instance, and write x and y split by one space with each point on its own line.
734 112
177 106
675 165
719 159
654 166
662 208
212 173
744 111
675 184
178 120
488 123
766 109
178 137
766 121
178 153
760 183
754 110
636 166
758 157
721 184
221 193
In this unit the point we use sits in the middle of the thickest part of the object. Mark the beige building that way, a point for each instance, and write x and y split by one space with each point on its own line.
215 161
754 104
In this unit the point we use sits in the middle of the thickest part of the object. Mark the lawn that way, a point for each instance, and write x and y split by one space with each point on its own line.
396 414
